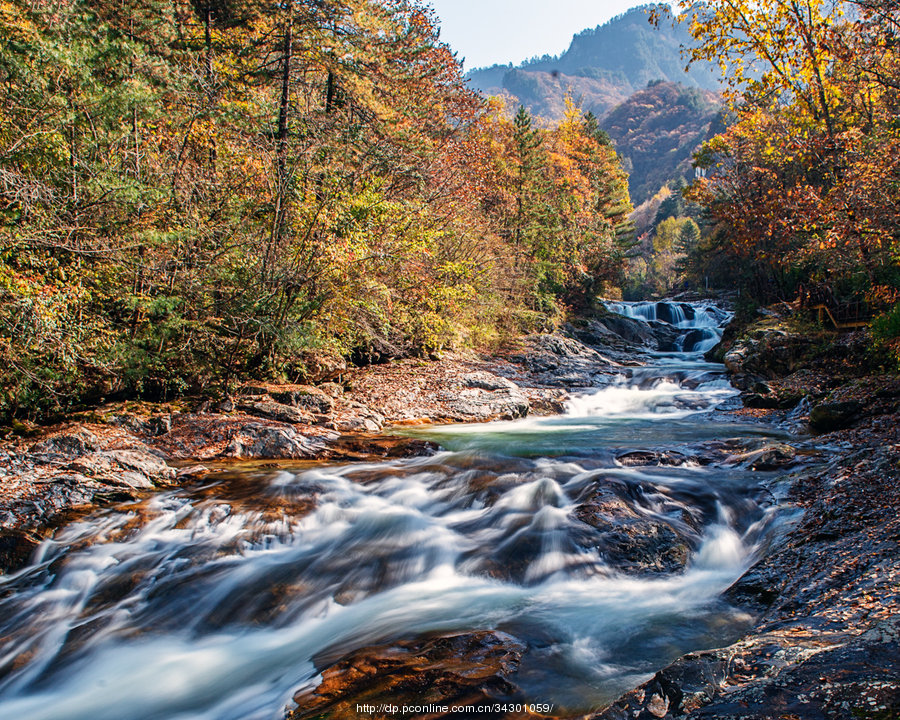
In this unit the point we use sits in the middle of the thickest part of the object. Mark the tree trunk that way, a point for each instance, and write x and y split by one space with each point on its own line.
281 183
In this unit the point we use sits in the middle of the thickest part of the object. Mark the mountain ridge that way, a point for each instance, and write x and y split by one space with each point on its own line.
601 68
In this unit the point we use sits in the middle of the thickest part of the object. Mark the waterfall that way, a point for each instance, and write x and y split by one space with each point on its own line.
700 325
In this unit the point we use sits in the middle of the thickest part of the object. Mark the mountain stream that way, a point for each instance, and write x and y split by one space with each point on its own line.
602 539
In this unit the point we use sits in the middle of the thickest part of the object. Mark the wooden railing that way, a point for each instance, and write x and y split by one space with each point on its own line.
844 316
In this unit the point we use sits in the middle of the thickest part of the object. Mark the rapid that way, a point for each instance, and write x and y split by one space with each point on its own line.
220 600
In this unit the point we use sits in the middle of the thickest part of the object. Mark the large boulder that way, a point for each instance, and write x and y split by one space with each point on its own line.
352 416
262 441
480 405
304 397
636 541
768 352
632 330
562 361
66 445
136 469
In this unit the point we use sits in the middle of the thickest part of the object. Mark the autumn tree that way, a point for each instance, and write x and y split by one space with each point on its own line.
799 185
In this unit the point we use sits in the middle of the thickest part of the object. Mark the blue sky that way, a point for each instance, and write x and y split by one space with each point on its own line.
484 32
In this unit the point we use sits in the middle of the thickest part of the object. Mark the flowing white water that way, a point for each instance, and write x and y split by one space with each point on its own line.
219 602
701 323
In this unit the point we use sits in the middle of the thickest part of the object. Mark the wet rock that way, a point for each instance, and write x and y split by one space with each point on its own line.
16 549
672 692
827 417
594 332
546 401
666 337
758 588
259 441
647 546
365 447
192 472
636 542
470 669
809 675
759 401
632 330
640 458
773 457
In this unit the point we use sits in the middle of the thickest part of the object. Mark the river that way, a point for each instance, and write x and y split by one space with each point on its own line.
221 600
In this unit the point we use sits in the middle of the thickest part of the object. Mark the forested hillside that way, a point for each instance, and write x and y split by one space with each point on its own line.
802 188
657 130
602 67
192 194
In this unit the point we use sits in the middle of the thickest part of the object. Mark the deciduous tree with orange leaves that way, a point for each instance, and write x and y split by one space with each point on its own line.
804 184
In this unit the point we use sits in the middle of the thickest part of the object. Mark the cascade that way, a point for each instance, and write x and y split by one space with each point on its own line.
215 603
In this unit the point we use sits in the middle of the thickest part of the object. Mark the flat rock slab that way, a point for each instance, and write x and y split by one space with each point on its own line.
468 669
458 390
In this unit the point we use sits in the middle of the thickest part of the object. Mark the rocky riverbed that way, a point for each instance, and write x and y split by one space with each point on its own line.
123 450
824 596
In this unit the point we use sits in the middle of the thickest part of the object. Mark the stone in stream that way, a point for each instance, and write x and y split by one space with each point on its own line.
632 541
668 458
469 669
775 457
16 549
365 446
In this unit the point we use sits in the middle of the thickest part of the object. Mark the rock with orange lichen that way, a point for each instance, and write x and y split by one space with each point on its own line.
470 669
